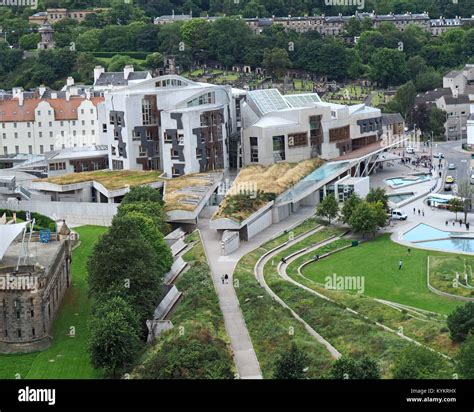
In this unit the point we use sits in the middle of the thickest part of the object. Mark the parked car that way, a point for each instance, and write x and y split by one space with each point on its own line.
448 187
397 214
410 150
449 179
439 155
451 166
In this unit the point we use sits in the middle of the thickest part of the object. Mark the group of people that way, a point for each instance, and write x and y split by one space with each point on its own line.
420 212
460 223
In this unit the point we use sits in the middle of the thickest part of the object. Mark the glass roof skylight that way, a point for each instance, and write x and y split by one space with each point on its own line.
268 100
302 100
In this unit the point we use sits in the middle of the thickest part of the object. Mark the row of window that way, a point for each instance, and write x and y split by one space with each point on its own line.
41 148
50 124
20 333
51 134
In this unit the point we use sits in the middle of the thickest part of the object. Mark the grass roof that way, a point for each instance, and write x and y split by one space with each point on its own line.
110 179
175 190
276 179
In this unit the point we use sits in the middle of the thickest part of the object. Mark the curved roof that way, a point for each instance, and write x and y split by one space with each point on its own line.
8 234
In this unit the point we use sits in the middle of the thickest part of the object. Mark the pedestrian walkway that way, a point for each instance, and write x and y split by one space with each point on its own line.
244 355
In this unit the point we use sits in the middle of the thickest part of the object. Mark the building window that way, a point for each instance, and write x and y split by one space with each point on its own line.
16 135
340 133
41 149
17 149
30 149
104 127
5 150
141 151
51 147
19 333
174 153
253 149
168 138
148 111
279 148
180 138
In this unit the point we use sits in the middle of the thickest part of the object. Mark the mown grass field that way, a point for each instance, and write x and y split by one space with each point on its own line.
377 260
67 357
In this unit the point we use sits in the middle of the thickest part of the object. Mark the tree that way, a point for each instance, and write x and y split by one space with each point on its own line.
461 322
349 206
456 205
276 61
124 260
350 368
142 194
118 62
405 98
388 67
362 219
436 121
465 358
378 194
154 61
114 340
291 364
153 210
152 234
465 191
29 41
417 362
197 356
328 208
89 40
378 213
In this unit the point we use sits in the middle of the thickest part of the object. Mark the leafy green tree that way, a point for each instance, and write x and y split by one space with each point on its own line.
388 67
362 219
349 206
29 41
456 205
152 234
461 322
328 208
291 364
417 362
378 194
405 98
123 259
142 194
198 355
118 62
350 368
465 358
89 40
379 213
153 210
276 61
436 121
114 341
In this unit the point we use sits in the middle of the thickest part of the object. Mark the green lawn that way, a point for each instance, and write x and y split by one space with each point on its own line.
68 357
377 260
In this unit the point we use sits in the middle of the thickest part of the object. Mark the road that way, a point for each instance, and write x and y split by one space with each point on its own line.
453 153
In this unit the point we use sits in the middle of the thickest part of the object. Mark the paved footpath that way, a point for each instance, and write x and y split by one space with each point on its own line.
244 354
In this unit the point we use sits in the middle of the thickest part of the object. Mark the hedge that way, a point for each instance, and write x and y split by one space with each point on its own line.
41 221
132 54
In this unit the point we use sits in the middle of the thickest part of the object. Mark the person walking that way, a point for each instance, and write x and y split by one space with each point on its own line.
222 278
423 212
454 222
419 212
226 278
446 223
460 222
400 264
409 250
467 225
414 211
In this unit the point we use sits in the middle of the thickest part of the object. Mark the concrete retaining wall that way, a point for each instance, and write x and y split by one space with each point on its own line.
259 224
79 213
230 242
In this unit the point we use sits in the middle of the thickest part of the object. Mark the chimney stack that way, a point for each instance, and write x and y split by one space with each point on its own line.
70 81
127 70
42 90
98 70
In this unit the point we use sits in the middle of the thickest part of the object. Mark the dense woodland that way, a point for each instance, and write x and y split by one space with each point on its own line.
128 30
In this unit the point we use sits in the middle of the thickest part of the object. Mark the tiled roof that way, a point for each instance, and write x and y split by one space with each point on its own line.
11 111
